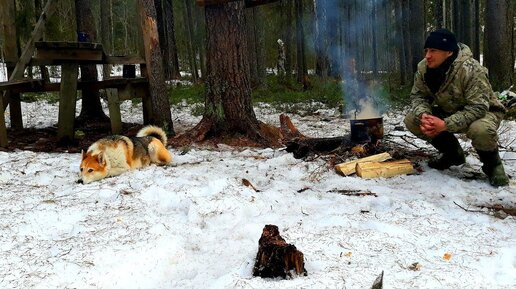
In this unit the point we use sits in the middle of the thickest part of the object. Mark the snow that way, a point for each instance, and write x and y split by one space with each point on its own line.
195 225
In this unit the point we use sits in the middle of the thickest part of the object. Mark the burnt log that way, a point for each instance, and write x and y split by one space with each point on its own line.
275 257
301 148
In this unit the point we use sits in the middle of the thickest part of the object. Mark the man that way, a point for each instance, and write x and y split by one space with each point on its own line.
452 94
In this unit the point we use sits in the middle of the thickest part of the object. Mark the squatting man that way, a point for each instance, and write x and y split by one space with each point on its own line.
452 94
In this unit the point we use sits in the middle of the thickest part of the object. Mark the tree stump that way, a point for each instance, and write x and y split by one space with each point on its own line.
275 257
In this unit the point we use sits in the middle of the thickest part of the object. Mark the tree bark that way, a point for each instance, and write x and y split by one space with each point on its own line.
417 32
302 74
106 34
172 61
228 107
91 111
499 57
192 51
438 14
322 63
161 115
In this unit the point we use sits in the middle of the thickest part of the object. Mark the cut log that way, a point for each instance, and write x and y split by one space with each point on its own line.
349 168
300 148
369 170
275 257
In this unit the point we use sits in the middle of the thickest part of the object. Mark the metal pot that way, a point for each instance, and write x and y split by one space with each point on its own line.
367 129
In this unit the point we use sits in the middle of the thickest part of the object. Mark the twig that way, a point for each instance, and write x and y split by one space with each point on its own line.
468 210
354 193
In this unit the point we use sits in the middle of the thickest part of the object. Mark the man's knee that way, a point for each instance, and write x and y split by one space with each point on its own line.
483 136
412 123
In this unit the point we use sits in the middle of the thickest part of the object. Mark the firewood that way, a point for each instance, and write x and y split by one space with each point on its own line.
275 257
369 170
349 168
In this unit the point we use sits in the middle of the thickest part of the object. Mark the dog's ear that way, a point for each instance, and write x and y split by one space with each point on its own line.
83 154
102 159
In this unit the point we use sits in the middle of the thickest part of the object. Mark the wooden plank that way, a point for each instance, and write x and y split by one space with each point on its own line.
203 3
369 170
114 111
39 85
253 3
67 101
21 84
123 60
349 168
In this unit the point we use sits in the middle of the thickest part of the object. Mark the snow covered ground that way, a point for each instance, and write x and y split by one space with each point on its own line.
195 225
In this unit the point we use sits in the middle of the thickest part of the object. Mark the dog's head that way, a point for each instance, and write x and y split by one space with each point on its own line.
93 167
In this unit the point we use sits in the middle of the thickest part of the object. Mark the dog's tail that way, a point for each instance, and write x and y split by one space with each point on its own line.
153 131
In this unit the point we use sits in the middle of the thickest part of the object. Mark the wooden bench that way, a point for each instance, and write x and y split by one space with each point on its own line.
126 89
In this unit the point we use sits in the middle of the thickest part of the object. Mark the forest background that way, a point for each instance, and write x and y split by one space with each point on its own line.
323 41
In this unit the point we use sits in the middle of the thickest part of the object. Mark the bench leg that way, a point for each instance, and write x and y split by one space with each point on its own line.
114 111
3 129
15 109
67 101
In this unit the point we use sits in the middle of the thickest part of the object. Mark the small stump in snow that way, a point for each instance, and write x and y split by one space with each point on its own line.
275 257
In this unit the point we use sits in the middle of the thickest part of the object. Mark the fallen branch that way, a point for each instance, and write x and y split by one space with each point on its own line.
354 193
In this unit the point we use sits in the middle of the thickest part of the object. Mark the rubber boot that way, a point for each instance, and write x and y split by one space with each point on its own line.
452 154
493 168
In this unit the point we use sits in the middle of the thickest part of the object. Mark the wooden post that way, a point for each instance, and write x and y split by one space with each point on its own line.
67 99
114 111
8 15
3 128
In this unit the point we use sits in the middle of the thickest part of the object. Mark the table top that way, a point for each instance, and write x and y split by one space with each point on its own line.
60 52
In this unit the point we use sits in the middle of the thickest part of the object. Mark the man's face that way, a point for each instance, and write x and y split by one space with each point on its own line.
435 57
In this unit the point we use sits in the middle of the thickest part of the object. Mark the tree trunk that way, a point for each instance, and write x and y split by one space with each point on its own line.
172 64
91 111
499 57
300 45
38 6
417 32
321 37
438 14
191 41
286 24
252 44
463 20
154 64
228 107
106 33
11 53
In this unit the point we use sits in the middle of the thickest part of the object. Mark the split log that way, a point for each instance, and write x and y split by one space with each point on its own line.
349 168
369 170
275 257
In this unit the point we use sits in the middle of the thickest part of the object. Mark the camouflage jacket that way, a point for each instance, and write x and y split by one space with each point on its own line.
465 96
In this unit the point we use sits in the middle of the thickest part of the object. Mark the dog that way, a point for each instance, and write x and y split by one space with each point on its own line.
114 155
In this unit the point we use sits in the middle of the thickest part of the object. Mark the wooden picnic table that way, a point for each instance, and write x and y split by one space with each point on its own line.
70 55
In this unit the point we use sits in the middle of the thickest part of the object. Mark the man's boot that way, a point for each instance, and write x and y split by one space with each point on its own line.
452 154
493 167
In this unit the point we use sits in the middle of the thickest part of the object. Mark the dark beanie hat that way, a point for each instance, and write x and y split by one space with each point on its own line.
442 39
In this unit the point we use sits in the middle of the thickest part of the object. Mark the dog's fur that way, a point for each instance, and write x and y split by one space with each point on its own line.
114 155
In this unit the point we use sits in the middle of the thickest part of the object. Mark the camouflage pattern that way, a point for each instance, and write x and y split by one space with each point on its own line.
465 101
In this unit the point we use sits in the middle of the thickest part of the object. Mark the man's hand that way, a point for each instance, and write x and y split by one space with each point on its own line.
431 125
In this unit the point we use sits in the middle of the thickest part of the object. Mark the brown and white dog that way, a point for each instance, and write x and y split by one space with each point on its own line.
114 155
